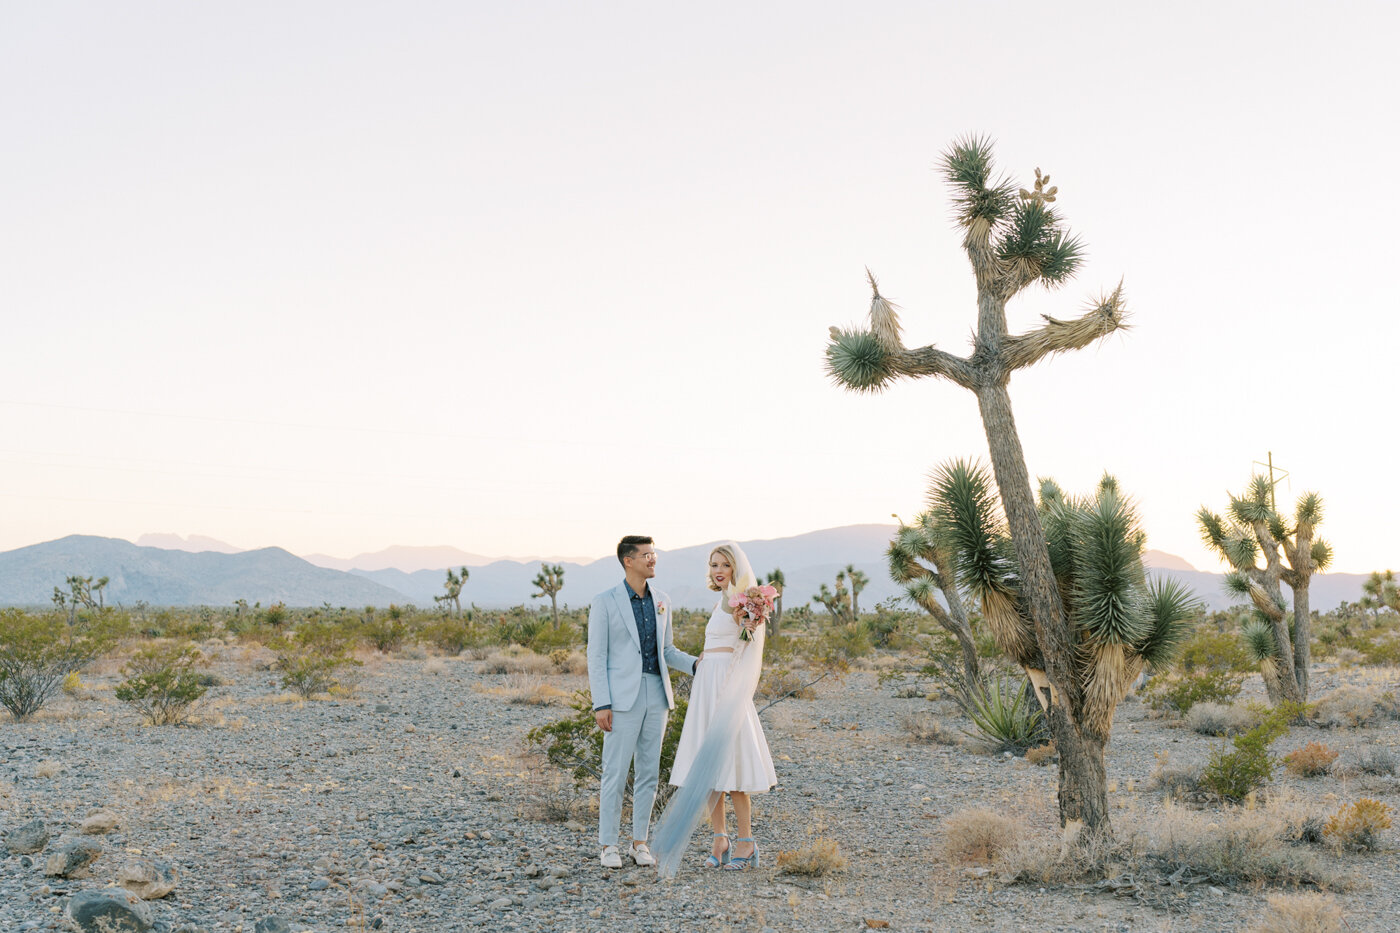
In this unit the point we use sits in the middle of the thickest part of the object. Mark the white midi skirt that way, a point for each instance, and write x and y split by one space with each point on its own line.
750 766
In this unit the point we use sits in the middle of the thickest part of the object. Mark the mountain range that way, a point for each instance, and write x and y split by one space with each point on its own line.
168 570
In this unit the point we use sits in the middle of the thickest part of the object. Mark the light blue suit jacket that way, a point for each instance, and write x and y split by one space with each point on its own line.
615 650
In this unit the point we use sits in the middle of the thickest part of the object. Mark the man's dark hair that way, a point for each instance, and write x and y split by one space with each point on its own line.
629 544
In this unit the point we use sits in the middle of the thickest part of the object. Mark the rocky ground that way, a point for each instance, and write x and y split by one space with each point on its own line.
411 806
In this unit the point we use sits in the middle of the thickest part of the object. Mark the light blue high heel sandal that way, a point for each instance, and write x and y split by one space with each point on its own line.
744 862
723 860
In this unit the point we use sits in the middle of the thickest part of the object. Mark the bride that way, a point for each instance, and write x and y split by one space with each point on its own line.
722 748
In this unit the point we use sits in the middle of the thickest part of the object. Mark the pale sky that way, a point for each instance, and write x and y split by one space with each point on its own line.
524 277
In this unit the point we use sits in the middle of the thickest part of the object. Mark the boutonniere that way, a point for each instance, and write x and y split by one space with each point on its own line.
660 608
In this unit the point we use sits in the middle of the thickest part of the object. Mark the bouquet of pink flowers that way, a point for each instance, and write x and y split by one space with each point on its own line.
756 603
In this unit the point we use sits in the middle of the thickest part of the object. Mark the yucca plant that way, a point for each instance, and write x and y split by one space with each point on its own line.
1120 620
1014 239
1003 717
923 563
1253 530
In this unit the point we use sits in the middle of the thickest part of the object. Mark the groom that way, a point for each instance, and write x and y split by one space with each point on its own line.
629 648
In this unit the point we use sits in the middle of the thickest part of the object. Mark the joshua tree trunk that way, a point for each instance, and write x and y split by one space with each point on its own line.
554 608
1083 785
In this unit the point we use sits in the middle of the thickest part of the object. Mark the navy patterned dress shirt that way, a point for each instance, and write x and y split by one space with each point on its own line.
644 613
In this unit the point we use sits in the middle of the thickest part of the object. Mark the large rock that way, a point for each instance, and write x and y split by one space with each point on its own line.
110 911
148 880
99 822
26 839
72 859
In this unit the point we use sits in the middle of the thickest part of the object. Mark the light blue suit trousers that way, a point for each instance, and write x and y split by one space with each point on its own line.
635 741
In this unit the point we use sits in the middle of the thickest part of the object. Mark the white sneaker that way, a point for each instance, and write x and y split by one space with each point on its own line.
611 857
641 854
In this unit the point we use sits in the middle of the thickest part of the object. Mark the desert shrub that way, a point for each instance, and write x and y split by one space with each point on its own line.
1240 847
1210 649
1219 719
926 728
1311 760
162 683
518 629
1352 707
453 636
517 660
1376 760
846 642
73 685
385 633
1181 692
575 744
315 659
1380 648
1237 774
822 857
1300 913
1357 825
978 835
1004 718
37 651
275 616
1042 755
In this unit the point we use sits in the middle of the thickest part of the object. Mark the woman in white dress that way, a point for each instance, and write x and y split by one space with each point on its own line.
721 697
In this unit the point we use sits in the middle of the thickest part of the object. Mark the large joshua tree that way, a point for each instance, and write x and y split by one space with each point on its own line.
1291 553
549 581
1014 240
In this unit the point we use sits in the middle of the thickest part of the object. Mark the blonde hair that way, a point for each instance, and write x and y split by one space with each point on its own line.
727 553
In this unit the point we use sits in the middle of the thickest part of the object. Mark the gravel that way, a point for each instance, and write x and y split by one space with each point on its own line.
333 814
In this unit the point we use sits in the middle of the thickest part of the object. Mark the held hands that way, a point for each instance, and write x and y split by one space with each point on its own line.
742 619
604 718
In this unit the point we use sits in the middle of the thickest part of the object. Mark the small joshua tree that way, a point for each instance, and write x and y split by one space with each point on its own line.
1254 530
550 580
858 582
838 601
776 580
453 586
923 561
1379 592
1014 240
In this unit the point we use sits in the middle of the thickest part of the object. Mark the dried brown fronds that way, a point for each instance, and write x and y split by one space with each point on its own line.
821 857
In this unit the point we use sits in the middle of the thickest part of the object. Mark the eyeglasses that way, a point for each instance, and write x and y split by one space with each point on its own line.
642 555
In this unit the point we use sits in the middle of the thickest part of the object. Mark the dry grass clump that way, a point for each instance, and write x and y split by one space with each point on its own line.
929 729
435 666
48 768
1358 825
1176 780
782 682
557 801
1225 719
1349 707
978 835
569 662
1238 847
1301 913
822 857
1312 760
1376 759
1042 755
517 660
526 690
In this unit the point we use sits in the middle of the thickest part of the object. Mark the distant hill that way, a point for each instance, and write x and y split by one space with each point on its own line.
164 577
172 542
179 577
412 559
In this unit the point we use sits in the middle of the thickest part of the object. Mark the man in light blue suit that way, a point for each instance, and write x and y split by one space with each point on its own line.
630 645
